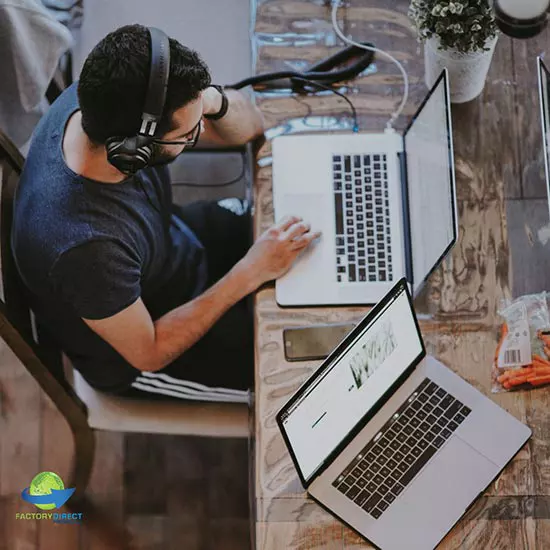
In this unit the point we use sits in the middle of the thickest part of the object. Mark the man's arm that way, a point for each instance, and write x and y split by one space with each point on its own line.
149 346
242 123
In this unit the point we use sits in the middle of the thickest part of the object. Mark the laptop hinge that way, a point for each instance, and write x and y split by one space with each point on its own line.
402 158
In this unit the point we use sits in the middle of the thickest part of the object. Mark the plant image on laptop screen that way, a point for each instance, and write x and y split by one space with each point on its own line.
372 354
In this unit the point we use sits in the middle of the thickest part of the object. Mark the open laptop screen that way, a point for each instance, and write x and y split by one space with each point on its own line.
430 183
544 86
343 391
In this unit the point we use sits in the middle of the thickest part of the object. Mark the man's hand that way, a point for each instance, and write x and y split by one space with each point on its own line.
272 255
151 345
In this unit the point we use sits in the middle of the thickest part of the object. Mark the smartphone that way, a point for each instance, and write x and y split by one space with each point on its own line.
313 342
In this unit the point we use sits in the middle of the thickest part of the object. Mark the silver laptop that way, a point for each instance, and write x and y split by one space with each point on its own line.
389 439
385 203
544 88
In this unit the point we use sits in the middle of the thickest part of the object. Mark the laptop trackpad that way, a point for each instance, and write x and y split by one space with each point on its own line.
436 498
312 208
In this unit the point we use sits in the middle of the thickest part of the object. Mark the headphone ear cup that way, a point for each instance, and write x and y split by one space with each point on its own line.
129 154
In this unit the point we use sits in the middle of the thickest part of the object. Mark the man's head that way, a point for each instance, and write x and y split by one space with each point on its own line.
113 85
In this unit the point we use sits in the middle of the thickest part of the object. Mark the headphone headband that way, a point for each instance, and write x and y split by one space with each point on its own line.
158 82
132 153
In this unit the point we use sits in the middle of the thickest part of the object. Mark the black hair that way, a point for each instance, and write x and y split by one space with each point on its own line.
114 79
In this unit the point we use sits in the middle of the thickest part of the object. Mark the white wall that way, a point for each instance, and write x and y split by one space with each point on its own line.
217 29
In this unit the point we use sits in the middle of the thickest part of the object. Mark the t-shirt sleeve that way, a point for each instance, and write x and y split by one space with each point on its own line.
98 279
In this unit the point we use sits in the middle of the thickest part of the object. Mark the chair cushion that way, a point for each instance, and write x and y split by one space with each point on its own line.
107 412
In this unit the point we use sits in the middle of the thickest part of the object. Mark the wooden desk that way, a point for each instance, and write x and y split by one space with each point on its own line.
459 320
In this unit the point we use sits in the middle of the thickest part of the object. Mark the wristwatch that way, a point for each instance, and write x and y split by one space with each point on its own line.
223 108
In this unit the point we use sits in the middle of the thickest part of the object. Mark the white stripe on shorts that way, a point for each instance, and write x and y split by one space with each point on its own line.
237 206
174 393
181 390
190 384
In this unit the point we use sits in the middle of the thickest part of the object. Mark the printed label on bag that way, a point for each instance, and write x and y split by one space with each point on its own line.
516 348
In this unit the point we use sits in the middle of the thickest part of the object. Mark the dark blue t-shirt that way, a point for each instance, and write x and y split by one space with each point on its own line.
87 249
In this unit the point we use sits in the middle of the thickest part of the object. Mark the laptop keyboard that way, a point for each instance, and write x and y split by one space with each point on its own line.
361 198
391 460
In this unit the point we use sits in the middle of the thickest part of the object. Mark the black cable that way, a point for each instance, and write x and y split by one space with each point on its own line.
298 98
352 107
223 184
325 70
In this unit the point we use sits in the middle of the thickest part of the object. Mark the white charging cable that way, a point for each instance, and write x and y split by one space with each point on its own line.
395 115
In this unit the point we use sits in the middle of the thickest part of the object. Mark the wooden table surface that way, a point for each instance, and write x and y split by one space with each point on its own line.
458 309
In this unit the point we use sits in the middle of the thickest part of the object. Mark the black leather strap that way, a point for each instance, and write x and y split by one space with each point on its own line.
225 105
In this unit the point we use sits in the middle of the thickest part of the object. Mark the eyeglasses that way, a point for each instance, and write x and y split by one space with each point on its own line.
195 133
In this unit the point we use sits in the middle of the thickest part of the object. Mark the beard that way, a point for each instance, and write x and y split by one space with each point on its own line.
161 156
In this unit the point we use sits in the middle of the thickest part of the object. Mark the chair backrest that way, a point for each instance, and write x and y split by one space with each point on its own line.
11 164
16 327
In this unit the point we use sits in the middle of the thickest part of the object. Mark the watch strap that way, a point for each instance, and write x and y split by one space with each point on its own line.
225 104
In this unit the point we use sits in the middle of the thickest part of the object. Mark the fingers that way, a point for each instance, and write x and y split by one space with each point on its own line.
287 221
296 230
304 240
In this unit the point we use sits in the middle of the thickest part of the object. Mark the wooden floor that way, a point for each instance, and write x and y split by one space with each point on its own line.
149 492
164 492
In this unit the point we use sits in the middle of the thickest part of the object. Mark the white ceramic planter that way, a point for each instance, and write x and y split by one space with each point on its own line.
467 71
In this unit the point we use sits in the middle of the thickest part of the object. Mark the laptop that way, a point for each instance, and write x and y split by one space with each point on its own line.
385 203
544 85
390 440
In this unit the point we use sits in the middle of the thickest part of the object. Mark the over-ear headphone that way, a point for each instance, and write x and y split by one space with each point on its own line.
130 154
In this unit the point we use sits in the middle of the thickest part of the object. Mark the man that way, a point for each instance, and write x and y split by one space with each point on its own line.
141 295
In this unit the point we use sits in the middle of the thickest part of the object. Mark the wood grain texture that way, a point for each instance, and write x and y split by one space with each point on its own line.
57 450
510 507
503 533
529 129
299 536
498 535
529 228
187 469
457 309
104 527
474 277
496 128
228 533
19 452
147 532
145 453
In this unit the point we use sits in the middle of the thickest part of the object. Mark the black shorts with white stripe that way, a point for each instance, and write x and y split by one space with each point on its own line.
220 366
166 385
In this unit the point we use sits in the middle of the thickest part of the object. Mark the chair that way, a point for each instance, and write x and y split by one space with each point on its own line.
84 408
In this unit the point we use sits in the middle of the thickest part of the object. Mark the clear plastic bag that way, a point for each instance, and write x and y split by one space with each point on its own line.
522 357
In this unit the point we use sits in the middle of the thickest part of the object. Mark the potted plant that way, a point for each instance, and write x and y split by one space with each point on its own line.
460 35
